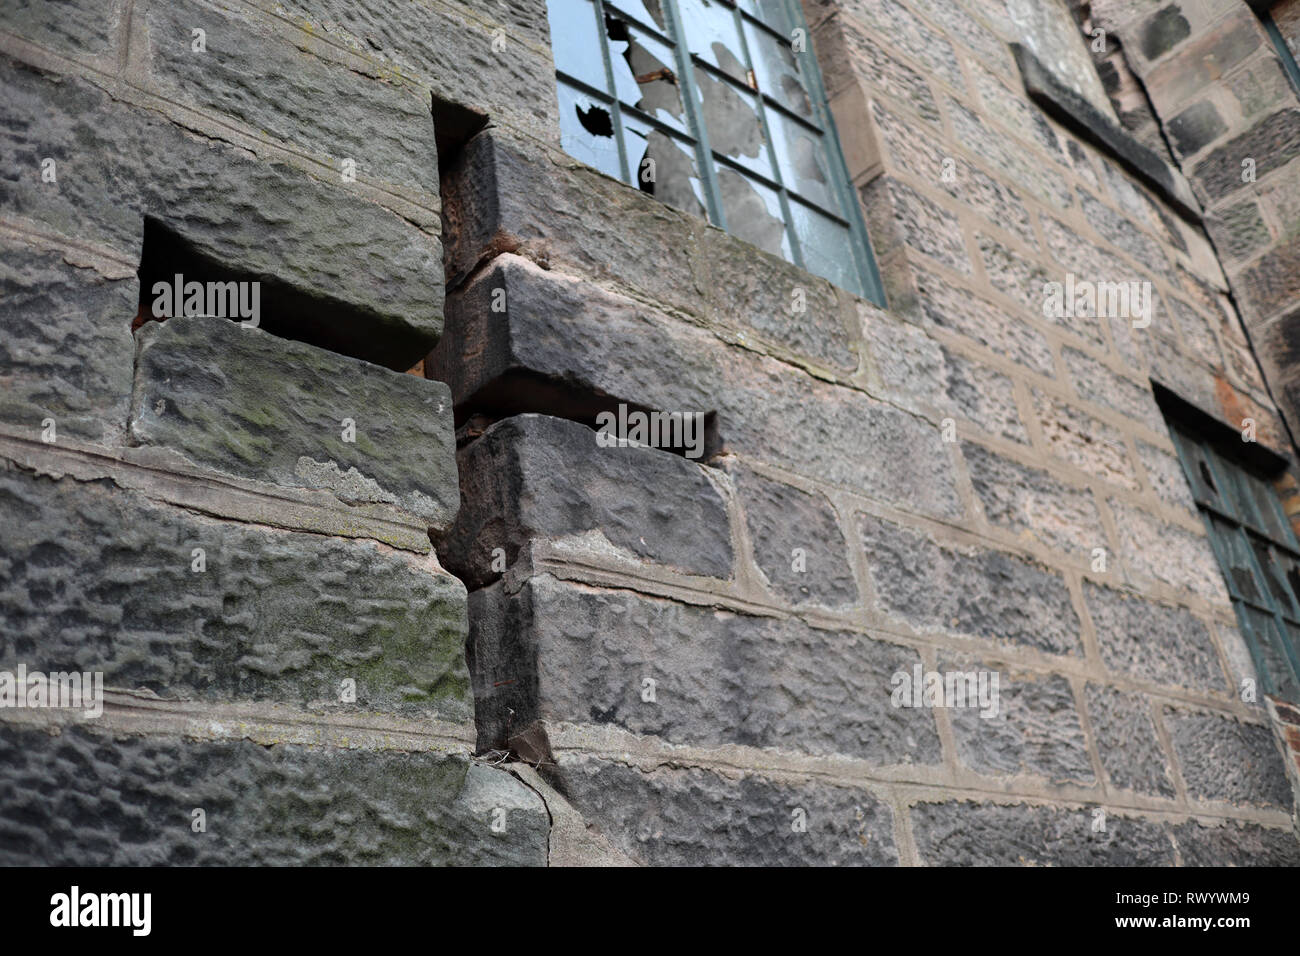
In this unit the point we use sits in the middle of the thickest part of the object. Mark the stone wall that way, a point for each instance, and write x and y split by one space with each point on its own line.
694 656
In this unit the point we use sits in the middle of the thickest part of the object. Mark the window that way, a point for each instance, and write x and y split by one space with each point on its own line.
716 108
1259 556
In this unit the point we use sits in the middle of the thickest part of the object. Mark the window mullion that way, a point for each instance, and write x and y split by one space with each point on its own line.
792 236
615 109
691 102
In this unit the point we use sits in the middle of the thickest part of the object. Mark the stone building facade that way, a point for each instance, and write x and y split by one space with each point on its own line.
364 585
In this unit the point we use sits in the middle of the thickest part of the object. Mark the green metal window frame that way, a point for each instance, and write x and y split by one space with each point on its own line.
1264 10
757 14
1252 541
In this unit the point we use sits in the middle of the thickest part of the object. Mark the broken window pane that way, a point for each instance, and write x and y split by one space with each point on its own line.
1237 554
771 12
649 12
587 131
711 34
826 245
1269 509
572 25
801 157
1268 642
753 212
731 117
648 65
778 72
664 166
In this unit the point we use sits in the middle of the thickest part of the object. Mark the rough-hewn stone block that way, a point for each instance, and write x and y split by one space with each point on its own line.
86 798
246 403
357 278
66 348
71 27
561 331
1127 743
1151 641
1224 759
537 477
702 818
1023 499
95 579
1035 730
796 541
322 107
965 834
566 652
968 591
1272 143
1237 844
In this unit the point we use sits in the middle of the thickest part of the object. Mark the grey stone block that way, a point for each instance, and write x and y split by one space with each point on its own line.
451 52
1022 499
1036 729
71 27
246 403
1154 642
673 817
85 798
566 652
551 348
534 476
1225 759
321 107
1127 743
1235 843
966 834
66 349
976 592
95 579
335 269
1272 143
783 519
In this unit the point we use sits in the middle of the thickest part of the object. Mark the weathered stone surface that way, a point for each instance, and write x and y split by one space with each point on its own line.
984 396
907 33
1083 441
335 269
919 224
672 817
450 52
71 27
246 403
915 151
537 477
1272 283
322 107
1028 501
965 834
1238 230
796 541
1012 336
1163 31
850 57
89 798
1152 641
997 151
565 652
94 579
1119 232
1183 560
1031 727
1166 477
1195 128
1094 121
561 332
66 348
968 591
1271 143
501 199
1127 742
1236 844
1224 759
779 301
